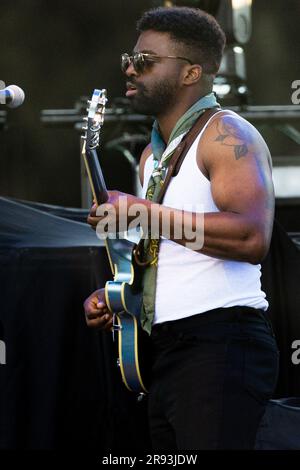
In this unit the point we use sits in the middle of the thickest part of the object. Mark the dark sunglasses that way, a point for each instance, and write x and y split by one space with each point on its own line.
141 60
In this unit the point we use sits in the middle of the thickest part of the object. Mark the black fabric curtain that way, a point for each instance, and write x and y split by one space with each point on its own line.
60 387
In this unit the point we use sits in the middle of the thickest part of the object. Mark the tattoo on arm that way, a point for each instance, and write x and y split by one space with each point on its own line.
232 137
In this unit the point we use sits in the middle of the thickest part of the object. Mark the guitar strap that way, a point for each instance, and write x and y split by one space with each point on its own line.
174 166
183 148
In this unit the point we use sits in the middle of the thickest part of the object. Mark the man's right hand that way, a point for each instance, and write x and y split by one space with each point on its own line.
97 314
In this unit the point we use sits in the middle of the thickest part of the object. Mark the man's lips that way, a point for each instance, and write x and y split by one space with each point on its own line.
131 89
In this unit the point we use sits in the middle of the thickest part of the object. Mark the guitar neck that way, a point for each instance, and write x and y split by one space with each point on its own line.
95 175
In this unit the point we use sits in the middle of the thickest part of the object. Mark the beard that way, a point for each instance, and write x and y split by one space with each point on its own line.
157 99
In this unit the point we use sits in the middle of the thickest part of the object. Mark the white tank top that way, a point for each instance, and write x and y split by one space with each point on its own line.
189 282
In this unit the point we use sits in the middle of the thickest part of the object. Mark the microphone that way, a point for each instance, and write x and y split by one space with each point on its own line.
12 95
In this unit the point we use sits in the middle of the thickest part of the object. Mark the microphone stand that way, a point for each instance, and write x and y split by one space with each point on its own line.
3 115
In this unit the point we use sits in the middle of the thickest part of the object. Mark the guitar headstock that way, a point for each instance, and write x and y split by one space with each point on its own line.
95 118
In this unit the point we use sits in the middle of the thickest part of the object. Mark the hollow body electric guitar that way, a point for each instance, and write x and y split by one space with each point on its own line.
123 294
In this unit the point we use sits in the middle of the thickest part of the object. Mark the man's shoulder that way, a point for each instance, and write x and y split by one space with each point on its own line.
227 129
228 115
147 151
145 154
228 124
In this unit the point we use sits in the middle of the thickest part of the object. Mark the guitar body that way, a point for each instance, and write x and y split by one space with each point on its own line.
134 353
124 293
123 297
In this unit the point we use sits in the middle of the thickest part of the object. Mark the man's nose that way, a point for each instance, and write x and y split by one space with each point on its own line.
130 70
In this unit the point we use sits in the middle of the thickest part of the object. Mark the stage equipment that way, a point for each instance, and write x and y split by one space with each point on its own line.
280 426
124 131
231 82
129 133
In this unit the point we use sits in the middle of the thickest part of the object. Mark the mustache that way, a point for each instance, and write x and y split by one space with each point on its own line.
131 84
134 84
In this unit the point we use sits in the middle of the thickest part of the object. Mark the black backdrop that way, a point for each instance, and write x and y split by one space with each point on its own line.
60 387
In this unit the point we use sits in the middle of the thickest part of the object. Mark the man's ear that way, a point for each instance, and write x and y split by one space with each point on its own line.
193 74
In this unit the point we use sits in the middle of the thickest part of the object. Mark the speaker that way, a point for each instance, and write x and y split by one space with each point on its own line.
280 425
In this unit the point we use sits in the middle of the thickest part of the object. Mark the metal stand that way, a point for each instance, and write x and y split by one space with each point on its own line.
2 120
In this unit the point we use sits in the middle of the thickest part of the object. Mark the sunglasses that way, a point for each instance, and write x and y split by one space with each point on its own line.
141 60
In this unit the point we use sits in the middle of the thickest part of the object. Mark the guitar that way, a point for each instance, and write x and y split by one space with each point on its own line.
123 294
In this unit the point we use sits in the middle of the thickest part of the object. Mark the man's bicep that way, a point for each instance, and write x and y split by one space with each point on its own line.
240 190
239 169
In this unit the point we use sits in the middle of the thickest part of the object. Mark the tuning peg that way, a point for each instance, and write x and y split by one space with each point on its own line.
84 118
84 128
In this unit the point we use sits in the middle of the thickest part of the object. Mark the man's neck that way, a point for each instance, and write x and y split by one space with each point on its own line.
168 120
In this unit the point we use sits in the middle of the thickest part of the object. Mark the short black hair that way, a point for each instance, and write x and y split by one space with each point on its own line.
197 32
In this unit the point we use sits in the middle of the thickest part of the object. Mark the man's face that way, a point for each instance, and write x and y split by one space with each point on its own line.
155 90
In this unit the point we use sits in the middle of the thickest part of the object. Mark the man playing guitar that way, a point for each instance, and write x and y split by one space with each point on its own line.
214 355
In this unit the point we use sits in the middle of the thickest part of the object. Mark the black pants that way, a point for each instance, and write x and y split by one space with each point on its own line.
211 378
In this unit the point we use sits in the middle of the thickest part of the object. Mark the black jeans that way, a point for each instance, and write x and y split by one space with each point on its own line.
212 376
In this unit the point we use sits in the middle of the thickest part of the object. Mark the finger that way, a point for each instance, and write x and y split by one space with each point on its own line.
104 311
98 322
101 304
94 306
91 316
95 323
101 324
93 220
93 209
109 324
95 312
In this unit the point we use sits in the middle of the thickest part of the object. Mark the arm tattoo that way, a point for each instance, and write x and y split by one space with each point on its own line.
232 137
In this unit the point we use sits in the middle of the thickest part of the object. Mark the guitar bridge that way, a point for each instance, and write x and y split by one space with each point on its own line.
140 396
